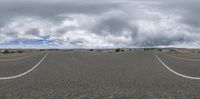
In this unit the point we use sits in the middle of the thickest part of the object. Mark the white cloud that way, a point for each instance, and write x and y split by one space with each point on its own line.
144 26
74 30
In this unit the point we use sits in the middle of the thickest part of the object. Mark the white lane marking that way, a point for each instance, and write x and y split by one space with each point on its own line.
20 75
183 58
179 74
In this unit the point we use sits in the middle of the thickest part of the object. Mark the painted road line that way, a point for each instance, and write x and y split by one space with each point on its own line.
19 58
171 70
183 58
20 75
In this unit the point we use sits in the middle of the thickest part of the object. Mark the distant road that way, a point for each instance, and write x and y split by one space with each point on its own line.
86 75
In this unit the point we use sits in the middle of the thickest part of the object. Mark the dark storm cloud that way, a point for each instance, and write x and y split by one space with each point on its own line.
9 10
164 41
189 10
33 32
114 25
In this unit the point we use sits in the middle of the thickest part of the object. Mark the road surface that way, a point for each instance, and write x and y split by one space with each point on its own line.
90 75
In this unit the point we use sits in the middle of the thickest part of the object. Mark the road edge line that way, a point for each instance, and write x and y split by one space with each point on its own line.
22 74
171 70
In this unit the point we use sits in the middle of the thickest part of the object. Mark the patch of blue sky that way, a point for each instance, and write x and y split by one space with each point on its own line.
43 42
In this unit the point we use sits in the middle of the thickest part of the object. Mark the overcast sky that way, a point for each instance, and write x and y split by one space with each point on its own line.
99 23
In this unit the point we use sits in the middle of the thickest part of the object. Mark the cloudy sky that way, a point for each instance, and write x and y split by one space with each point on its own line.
99 23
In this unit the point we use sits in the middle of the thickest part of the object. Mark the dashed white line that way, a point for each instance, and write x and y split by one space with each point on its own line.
179 74
20 75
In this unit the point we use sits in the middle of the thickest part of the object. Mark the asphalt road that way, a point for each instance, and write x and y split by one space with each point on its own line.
16 55
88 75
